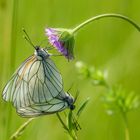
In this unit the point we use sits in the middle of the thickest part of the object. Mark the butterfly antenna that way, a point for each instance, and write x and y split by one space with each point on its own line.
49 46
28 38
42 42
70 87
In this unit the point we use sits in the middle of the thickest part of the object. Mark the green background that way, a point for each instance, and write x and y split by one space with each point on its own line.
110 44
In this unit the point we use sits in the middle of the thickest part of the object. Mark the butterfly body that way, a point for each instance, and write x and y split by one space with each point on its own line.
36 88
41 53
70 101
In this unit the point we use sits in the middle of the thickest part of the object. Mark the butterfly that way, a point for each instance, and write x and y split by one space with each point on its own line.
36 88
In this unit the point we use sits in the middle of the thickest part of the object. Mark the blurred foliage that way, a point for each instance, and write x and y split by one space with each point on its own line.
96 76
108 43
116 98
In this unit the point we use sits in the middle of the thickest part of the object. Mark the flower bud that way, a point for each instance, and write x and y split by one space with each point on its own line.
62 40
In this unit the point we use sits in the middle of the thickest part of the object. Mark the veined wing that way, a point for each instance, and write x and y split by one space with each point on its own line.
35 82
53 106
14 82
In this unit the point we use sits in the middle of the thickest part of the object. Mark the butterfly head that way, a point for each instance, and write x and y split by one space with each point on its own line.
70 101
41 53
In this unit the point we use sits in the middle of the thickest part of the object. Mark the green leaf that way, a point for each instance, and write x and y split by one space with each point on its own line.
82 107
70 123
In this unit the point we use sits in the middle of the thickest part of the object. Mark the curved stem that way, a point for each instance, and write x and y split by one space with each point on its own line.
104 16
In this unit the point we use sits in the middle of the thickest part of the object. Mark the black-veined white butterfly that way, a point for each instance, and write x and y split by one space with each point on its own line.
36 87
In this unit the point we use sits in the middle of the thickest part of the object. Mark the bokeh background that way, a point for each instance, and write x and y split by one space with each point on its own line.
110 44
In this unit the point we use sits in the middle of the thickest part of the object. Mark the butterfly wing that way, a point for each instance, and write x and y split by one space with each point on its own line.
13 85
35 82
53 106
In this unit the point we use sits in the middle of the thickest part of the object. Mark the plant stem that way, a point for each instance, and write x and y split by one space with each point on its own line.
127 134
63 124
12 55
66 128
21 129
127 137
14 34
104 16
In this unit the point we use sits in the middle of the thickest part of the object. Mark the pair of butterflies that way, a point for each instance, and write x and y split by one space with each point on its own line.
36 88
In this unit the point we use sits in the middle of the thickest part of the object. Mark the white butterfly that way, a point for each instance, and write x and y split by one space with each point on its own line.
36 88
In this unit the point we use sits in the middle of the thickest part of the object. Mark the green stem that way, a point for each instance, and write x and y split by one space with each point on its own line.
14 34
21 129
63 124
127 134
104 16
127 137
12 54
65 127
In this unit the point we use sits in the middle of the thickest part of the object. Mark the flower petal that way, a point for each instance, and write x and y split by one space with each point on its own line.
62 40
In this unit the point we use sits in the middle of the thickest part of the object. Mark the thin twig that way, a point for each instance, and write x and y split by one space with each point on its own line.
20 129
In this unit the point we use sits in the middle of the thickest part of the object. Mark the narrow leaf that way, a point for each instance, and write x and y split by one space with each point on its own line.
82 107
70 124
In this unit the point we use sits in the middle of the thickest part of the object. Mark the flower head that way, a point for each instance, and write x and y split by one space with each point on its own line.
62 40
